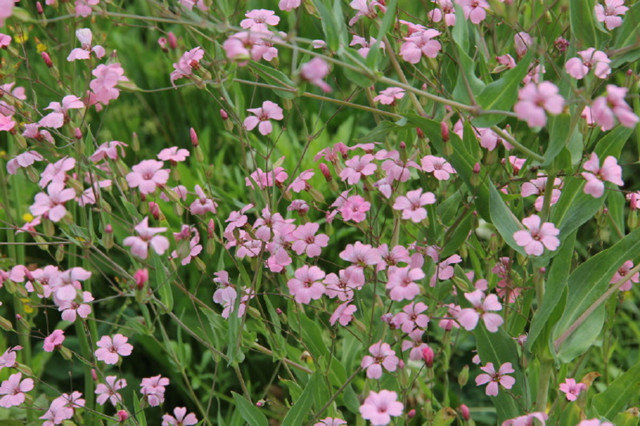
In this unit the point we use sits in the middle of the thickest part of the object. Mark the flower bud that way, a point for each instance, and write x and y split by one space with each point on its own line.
173 41
39 8
403 145
94 375
464 411
122 416
154 210
223 114
141 276
162 41
420 133
463 377
427 356
325 172
47 59
411 413
444 131
194 136
5 324
135 142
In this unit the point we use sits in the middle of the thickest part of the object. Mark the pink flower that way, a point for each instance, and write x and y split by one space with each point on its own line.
247 45
496 378
110 348
330 421
594 422
261 117
604 110
51 205
314 72
634 200
365 46
474 10
444 10
173 154
72 309
355 208
108 150
23 160
360 255
537 237
13 390
288 5
534 99
365 8
8 358
378 407
307 285
389 96
596 175
381 356
147 175
527 419
301 182
401 283
85 37
609 13
110 390
140 244
53 340
412 317
57 413
440 167
258 19
203 204
306 240
153 389
59 116
522 42
343 314
343 286
104 85
420 43
6 9
621 274
537 187
181 418
358 167
591 58
83 7
572 389
468 317
189 61
411 205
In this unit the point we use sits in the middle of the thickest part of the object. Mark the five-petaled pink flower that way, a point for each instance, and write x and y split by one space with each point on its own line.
420 43
622 273
343 314
307 284
179 418
189 61
111 348
357 167
381 356
13 390
147 236
147 175
605 109
537 237
474 10
596 176
53 340
609 13
591 59
495 379
444 10
173 154
534 99
306 240
411 204
440 167
261 117
110 390
153 389
51 205
104 84
527 419
314 72
378 407
389 96
468 317
572 389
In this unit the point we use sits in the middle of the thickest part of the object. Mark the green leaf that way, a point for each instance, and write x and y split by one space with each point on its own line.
163 283
276 78
504 220
140 415
249 412
612 143
502 94
312 337
354 59
329 25
628 36
619 393
584 28
586 284
466 71
302 407
387 23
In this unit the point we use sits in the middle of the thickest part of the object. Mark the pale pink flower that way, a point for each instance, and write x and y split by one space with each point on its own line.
57 412
179 418
357 167
173 154
389 96
360 255
13 390
523 42
32 131
537 237
189 61
147 175
200 4
594 422
146 236
354 208
343 314
8 358
393 257
330 421
5 40
104 84
343 285
596 176
610 13
605 109
268 179
378 407
381 356
53 340
534 99
482 305
110 390
203 204
365 46
51 204
56 172
288 5
108 150
153 389
401 282
440 167
72 309
60 114
112 348
314 72
316 44
6 9
474 10
591 59
261 117
622 273
247 45
306 240
411 205
527 419
416 346
258 19
412 317
83 7
572 389
537 187
301 183
496 379
420 43
506 62
85 37
444 10
365 8
23 160
307 285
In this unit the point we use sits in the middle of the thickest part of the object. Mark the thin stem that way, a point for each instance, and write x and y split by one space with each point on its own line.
403 78
517 144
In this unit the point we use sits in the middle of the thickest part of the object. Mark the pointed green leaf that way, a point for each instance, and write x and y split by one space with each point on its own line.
620 392
249 412
302 407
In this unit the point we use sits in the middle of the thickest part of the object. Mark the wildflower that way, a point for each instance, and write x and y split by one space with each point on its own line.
365 46
8 358
51 204
537 237
496 379
596 176
412 317
355 208
85 37
202 204
190 3
343 314
401 283
13 390
59 115
389 96
343 286
474 10
417 347
72 309
301 183
110 390
610 13
288 5
357 167
173 154
53 340
378 407
591 58
605 109
108 150
522 43
314 72
621 274
534 99
381 356
140 244
572 389
444 10
56 172
57 413
306 240
181 418
104 85
329 421
527 419
111 348
440 167
249 45
594 422
153 389
537 187
365 8
468 317
261 117
189 61
83 7
360 255
23 160
420 43
147 175
258 19
307 285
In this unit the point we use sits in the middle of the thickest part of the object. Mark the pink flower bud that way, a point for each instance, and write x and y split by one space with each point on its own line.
39 8
401 364
464 410
77 133
561 44
278 311
476 168
427 355
411 413
444 131
141 276
420 133
403 145
173 41
108 229
629 72
94 376
260 403
224 114
194 137
211 227
325 172
47 59
154 209
162 41
122 416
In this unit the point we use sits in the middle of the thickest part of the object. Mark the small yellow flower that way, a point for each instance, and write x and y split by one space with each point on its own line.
27 217
41 47
28 309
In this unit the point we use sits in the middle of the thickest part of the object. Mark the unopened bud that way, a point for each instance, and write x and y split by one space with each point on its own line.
23 322
5 324
65 352
474 179
122 416
223 114
173 41
260 403
141 276
47 59
278 311
419 132
444 131
464 411
107 237
39 8
135 142
411 413
94 376
325 172
154 210
463 377
427 356
194 136
77 133
162 41
403 145
629 72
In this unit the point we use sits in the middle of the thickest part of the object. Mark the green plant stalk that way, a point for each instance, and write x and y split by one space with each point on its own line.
546 370
517 144
89 389
548 192
396 66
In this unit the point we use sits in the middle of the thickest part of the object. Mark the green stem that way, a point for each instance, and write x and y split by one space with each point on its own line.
546 369
89 389
517 144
